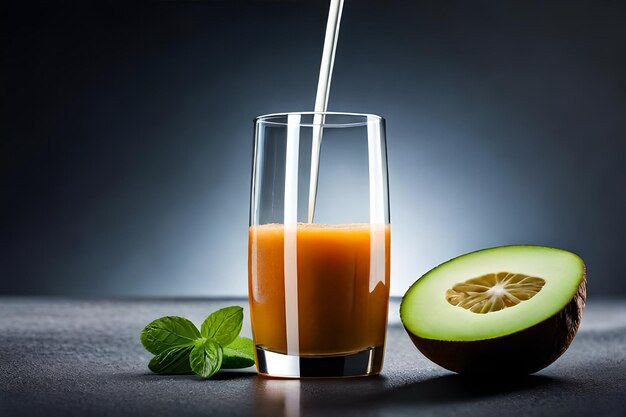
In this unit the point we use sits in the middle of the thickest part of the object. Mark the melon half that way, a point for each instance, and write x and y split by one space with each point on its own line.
509 310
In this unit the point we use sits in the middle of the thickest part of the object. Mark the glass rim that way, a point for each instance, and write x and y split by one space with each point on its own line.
266 118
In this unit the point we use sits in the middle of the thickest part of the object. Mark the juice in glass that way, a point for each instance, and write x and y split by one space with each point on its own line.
342 300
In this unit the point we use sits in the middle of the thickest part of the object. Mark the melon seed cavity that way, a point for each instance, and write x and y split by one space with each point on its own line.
494 292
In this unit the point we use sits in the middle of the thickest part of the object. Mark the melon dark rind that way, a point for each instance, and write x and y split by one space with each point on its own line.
524 352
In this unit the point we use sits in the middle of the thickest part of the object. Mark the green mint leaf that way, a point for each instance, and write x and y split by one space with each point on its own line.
174 360
239 354
168 332
224 325
206 358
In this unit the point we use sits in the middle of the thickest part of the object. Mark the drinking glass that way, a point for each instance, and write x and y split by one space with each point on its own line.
319 244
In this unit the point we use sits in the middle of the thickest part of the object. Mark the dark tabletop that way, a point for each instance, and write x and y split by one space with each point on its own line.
73 357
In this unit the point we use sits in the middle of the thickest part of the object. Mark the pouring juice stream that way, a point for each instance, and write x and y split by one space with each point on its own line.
321 99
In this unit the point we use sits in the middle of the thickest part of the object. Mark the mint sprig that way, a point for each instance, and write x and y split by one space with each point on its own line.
224 325
239 354
179 347
206 358
168 332
174 360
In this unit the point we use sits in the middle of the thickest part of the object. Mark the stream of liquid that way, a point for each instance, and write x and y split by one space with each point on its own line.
321 99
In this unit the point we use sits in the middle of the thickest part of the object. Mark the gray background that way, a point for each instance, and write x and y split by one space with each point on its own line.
126 133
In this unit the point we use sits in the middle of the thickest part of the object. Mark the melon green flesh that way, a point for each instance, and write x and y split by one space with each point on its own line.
426 313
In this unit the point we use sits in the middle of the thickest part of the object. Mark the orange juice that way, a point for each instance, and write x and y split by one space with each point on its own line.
341 301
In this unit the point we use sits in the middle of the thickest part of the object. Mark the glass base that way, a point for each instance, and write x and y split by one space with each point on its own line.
278 365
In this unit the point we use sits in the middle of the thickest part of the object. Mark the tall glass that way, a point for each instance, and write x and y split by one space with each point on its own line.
319 291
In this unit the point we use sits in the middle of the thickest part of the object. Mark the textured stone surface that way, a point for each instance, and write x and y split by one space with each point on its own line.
73 357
